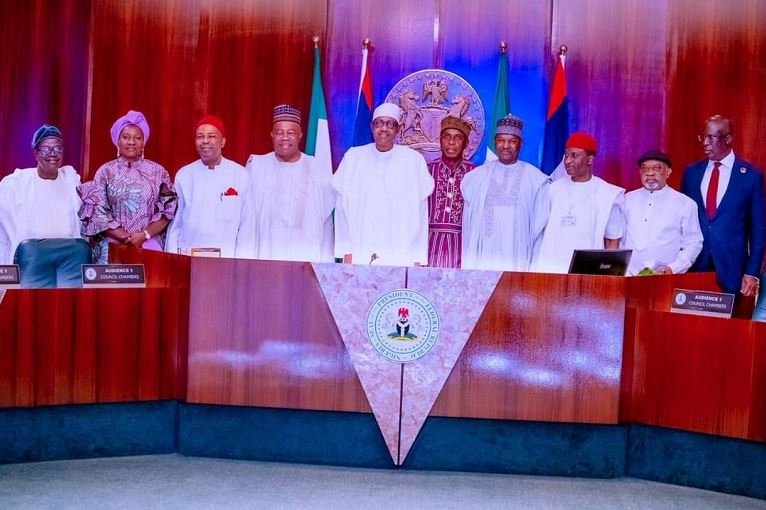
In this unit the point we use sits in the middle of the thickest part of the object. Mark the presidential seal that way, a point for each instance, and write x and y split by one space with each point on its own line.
426 97
402 325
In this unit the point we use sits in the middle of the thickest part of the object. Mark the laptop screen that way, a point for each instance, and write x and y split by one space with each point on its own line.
600 262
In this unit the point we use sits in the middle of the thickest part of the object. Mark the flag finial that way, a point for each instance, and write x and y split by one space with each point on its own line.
563 50
315 39
366 43
503 46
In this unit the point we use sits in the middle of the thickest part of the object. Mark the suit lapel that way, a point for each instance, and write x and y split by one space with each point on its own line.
698 171
735 184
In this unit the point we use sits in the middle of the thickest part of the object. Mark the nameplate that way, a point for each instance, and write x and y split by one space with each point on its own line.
9 277
113 276
206 252
700 302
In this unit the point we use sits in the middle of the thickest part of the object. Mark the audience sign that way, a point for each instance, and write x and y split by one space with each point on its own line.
113 275
9 277
700 302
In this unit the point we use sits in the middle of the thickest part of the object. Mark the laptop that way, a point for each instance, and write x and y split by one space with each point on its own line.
600 262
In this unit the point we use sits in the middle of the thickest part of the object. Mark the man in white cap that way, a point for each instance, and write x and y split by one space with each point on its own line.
663 229
504 204
381 214
293 196
214 199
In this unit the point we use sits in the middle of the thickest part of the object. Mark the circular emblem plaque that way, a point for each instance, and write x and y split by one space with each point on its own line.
426 97
402 325
90 273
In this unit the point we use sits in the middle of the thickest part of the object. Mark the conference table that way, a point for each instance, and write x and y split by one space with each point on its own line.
545 348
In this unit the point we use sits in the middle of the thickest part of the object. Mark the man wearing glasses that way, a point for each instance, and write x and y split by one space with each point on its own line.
730 200
381 214
38 214
662 227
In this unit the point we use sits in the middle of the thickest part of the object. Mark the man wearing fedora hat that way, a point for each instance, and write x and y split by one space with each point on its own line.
662 227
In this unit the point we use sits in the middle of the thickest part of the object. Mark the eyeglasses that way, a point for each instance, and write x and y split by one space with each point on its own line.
379 123
55 150
702 138
651 168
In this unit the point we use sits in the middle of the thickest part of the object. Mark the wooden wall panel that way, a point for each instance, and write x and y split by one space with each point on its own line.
656 292
402 35
76 346
547 347
144 59
470 34
697 373
251 56
716 64
44 64
261 334
616 78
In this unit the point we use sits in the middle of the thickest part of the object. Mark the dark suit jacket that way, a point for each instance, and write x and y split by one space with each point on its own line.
734 238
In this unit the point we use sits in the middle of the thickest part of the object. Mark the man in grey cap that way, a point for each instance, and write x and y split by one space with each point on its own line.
663 229
506 201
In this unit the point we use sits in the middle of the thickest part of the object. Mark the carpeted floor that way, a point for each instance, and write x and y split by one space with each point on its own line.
174 481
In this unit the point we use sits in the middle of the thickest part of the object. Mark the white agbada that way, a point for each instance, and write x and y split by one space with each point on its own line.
382 206
662 230
504 213
208 216
293 208
582 215
36 208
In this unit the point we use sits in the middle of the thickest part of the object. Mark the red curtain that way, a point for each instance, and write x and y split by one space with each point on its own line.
44 65
640 73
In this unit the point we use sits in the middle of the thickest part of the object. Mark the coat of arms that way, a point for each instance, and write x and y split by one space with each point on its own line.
426 97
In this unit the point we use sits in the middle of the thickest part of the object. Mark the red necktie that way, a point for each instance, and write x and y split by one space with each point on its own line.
712 191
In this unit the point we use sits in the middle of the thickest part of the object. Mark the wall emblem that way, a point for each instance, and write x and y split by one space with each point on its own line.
426 97
402 325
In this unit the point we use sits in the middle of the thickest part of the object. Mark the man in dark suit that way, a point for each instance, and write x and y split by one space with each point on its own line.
730 201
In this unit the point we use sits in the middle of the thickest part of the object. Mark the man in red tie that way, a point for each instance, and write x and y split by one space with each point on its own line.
730 200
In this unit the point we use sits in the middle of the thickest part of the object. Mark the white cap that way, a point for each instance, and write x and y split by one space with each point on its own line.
387 110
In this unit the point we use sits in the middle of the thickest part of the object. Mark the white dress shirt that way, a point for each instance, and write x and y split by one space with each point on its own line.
662 230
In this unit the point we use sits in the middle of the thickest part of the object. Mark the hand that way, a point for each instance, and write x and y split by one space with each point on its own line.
136 239
663 270
749 285
119 234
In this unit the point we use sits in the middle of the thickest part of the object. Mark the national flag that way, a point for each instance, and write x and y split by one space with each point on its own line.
318 134
557 121
502 106
365 103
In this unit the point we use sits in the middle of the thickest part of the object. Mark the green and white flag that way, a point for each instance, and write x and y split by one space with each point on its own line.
318 135
502 106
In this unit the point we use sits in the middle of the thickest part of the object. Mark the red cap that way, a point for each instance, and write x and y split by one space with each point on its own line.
583 141
213 121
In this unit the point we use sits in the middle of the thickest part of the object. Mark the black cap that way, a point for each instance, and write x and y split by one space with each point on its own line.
655 154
